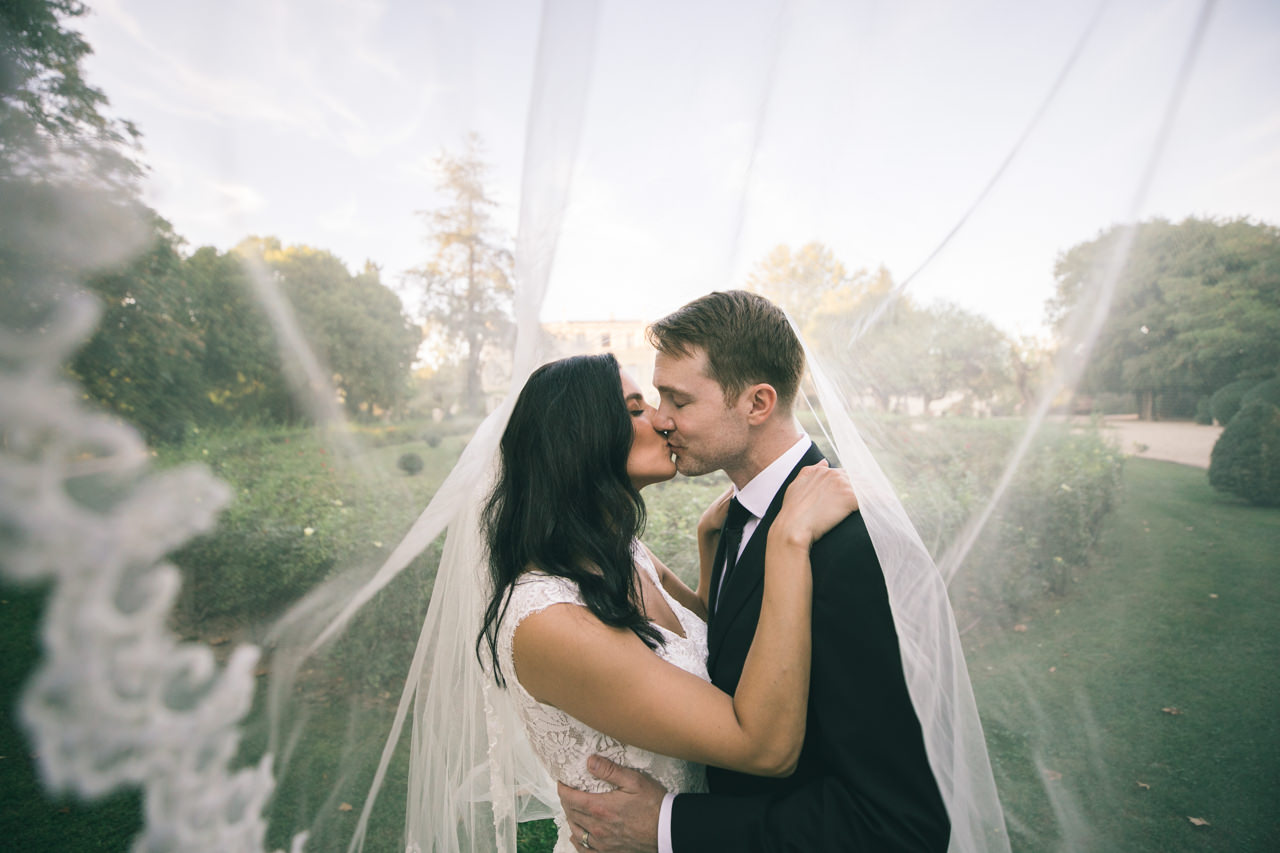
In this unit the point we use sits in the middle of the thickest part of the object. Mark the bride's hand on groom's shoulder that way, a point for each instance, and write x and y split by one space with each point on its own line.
714 515
817 500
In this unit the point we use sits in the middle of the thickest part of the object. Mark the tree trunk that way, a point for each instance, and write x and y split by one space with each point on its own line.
1146 405
474 394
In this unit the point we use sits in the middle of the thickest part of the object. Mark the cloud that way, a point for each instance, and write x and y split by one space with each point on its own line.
237 199
251 92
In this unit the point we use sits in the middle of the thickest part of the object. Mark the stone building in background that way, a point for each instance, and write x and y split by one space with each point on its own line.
624 338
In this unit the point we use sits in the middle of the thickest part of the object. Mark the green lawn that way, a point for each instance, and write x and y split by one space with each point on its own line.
1073 705
29 820
1179 613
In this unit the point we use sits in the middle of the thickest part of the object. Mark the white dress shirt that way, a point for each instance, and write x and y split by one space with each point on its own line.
755 498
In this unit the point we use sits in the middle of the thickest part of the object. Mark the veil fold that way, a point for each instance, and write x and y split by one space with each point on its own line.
932 658
473 775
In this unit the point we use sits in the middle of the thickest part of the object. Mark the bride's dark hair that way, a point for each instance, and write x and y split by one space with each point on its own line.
563 503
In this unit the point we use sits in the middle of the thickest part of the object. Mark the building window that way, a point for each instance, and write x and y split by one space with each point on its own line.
605 339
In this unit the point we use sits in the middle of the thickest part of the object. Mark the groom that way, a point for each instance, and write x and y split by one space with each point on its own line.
727 372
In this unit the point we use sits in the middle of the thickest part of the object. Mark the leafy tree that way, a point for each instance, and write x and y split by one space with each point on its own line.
244 378
931 351
1028 359
144 361
808 283
466 284
884 358
184 342
52 124
886 344
356 323
1196 306
67 180
958 350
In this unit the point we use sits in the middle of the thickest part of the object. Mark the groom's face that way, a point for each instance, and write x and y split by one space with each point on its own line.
704 430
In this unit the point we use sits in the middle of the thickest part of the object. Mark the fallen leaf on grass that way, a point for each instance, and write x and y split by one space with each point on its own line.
346 807
1213 595
1198 821
1020 628
1171 710
1053 669
1144 786
1052 775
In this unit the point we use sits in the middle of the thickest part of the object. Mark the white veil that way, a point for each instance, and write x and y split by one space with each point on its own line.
472 773
472 777
932 657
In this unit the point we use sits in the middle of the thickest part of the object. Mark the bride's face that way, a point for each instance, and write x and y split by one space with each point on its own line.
650 458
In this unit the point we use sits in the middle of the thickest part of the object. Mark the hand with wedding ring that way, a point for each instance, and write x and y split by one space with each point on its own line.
624 820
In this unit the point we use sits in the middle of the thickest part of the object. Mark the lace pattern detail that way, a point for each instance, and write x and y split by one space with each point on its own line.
563 743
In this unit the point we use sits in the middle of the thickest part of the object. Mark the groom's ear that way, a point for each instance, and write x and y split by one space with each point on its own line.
761 401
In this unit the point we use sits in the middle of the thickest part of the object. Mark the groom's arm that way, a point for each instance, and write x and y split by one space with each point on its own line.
874 790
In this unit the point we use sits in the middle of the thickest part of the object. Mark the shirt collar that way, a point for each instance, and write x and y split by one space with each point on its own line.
756 495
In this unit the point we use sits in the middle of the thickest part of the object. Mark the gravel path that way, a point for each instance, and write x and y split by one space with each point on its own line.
1185 442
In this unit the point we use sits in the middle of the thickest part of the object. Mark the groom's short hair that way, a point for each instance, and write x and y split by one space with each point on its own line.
746 337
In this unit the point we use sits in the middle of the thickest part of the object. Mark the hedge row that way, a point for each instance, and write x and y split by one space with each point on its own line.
1038 539
303 512
1246 458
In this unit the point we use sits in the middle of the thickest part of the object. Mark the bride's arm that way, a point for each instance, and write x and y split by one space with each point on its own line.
677 588
708 537
610 680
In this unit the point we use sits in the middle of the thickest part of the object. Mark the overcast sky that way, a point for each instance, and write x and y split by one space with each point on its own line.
709 131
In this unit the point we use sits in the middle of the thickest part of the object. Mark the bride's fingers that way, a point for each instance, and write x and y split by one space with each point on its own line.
817 500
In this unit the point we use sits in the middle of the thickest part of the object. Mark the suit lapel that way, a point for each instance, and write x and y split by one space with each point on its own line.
747 580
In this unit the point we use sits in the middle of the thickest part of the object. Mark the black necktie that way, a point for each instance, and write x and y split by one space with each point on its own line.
732 536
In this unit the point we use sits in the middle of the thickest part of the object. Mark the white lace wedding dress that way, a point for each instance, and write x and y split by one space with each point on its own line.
562 742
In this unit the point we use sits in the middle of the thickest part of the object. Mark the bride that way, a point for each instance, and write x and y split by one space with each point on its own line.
600 646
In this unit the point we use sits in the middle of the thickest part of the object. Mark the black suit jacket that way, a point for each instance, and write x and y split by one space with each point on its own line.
863 782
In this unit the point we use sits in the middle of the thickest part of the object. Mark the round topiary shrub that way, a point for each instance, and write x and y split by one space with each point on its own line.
410 463
1263 392
1225 402
1204 412
1246 459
